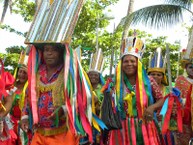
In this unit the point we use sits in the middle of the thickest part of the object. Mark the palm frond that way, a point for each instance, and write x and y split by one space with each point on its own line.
158 16
184 3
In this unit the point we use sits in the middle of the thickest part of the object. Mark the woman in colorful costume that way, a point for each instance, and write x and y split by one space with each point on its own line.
137 97
157 70
184 84
58 94
96 83
7 134
19 97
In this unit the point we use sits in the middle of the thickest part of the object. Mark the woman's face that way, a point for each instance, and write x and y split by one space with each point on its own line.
158 76
94 77
189 70
129 65
22 75
51 55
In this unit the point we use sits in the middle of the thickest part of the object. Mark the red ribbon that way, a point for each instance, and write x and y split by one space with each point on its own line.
139 108
2 81
133 132
171 99
145 135
105 87
187 108
85 122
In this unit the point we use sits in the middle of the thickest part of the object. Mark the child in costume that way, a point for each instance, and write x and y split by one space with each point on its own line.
184 84
137 97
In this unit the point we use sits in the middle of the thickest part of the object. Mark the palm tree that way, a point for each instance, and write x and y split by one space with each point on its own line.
6 4
161 16
128 21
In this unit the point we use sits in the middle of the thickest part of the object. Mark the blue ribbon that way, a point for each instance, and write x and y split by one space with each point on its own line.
100 122
164 108
176 92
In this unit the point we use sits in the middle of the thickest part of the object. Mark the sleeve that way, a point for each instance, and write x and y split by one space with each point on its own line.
156 92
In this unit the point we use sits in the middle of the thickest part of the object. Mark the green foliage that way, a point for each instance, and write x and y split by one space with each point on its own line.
25 8
11 61
85 35
14 49
8 28
85 30
11 58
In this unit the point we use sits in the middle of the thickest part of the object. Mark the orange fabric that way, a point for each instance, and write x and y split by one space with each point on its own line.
61 139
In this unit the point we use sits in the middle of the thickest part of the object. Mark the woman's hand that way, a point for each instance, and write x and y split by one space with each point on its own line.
24 125
148 113
58 110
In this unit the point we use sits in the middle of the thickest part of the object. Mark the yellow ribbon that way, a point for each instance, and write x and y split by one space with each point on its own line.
118 79
95 124
128 99
22 99
140 73
2 106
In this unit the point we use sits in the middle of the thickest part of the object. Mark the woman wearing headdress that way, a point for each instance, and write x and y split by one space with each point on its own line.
7 134
58 94
21 83
96 83
137 98
157 70
184 84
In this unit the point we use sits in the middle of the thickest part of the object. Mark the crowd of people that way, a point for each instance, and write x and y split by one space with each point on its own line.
52 100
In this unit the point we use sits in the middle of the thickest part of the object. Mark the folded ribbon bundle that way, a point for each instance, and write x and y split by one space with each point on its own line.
167 107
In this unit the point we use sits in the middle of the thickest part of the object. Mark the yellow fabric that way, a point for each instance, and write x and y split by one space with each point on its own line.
56 88
51 1
52 131
95 124
15 73
2 106
22 99
140 85
128 99
118 78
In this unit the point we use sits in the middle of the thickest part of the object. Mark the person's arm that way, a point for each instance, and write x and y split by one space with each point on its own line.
159 100
7 106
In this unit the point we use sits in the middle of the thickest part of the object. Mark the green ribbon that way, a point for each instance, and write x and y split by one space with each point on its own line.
134 97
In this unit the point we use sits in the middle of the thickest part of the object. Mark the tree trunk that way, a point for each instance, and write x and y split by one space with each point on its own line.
128 21
189 51
5 7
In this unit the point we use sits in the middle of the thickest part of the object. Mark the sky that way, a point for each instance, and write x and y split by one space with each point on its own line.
119 10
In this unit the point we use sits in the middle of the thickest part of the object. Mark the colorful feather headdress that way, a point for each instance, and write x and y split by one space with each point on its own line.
134 46
54 24
97 61
157 63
